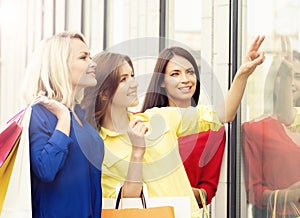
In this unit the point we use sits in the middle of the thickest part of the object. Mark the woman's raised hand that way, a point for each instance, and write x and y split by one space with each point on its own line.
254 57
136 132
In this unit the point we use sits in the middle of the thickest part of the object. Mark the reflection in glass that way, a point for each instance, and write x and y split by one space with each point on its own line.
271 142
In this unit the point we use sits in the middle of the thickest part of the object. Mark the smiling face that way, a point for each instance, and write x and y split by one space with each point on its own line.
126 93
179 81
82 68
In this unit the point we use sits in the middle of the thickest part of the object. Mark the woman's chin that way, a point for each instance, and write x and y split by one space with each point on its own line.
135 103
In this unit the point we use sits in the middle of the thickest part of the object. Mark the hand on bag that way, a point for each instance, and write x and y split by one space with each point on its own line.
136 132
57 108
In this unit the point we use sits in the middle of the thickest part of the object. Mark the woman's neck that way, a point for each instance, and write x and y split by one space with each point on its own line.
116 119
72 109
182 104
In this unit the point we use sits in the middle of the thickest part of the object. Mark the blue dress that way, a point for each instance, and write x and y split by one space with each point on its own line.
65 171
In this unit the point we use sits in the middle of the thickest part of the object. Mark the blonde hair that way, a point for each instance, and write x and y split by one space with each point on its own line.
48 70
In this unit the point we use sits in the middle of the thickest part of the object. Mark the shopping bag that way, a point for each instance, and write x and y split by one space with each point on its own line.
180 204
9 134
17 201
157 212
5 172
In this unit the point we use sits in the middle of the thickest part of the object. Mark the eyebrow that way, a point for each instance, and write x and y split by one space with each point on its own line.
84 52
176 69
126 74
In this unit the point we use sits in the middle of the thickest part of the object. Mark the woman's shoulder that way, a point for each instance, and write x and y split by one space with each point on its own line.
39 108
205 108
39 112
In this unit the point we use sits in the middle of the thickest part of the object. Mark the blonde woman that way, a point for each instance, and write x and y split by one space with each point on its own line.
65 173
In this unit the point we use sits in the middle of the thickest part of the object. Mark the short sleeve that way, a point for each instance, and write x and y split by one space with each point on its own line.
185 121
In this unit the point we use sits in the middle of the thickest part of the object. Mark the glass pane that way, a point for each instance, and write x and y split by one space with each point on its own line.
187 22
202 27
133 29
130 19
270 127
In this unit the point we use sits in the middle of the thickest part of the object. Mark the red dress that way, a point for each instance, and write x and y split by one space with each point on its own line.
272 158
202 155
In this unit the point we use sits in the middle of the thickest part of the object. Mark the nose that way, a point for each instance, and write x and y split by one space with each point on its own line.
184 77
133 83
92 64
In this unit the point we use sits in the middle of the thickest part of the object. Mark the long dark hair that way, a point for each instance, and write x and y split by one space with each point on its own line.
156 96
96 99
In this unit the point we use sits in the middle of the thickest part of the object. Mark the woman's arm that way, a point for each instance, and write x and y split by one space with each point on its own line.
236 91
133 185
283 106
284 109
48 143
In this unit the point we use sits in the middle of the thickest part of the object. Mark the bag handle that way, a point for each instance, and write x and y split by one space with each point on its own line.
120 196
203 201
296 210
18 117
275 203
